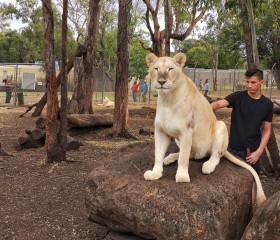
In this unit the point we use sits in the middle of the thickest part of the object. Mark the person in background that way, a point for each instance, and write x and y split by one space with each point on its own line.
145 89
206 88
200 84
251 120
8 90
134 89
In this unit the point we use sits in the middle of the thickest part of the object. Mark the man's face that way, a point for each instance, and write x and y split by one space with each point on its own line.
254 84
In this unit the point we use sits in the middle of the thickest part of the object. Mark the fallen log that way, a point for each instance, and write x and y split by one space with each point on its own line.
72 144
89 120
41 123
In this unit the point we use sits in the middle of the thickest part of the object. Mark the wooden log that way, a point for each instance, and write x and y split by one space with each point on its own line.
72 144
38 134
23 140
41 123
90 120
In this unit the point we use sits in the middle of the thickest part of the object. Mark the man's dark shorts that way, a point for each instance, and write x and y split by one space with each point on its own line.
242 155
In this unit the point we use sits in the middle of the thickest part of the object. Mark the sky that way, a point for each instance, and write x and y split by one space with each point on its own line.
14 24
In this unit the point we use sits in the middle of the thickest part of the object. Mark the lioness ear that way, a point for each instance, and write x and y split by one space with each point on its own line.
180 59
150 59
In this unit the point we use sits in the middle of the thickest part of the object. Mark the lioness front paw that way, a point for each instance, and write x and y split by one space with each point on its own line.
182 177
208 167
151 175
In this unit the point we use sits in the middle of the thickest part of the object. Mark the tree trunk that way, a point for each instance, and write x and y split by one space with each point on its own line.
121 87
168 24
90 56
52 147
79 87
247 33
62 137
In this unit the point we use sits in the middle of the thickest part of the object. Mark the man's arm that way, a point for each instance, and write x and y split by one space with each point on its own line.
219 104
266 131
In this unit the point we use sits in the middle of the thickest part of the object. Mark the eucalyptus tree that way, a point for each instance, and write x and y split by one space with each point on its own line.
120 127
52 147
180 18
62 138
90 55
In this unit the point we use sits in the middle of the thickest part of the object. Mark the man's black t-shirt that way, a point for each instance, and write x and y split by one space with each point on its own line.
247 117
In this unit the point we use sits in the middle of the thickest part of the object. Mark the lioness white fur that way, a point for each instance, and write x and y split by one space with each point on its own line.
107 103
184 114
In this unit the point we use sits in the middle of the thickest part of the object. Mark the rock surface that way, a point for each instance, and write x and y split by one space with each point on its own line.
265 223
214 206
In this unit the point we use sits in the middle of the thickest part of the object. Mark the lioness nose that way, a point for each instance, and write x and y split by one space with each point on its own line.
161 81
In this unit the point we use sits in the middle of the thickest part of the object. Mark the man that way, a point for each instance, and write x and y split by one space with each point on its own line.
134 90
9 90
145 89
251 119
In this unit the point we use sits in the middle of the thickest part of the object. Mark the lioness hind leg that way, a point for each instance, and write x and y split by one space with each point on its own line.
219 147
171 158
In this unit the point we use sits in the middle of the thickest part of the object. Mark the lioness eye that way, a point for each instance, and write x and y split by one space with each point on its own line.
156 69
170 69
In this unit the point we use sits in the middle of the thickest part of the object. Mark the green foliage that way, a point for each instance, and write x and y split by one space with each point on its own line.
27 45
14 48
137 63
268 32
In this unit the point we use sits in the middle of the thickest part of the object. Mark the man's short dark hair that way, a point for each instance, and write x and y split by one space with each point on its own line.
254 72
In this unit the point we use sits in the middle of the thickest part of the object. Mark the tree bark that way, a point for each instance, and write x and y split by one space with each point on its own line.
52 146
90 56
247 33
120 127
79 87
62 136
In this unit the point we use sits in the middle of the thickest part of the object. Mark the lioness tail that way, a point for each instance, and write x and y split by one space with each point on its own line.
260 193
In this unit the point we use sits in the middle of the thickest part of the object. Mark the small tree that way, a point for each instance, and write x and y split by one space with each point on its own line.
52 146
121 87
64 99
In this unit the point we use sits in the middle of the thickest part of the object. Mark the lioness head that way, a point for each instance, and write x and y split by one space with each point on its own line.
165 71
105 99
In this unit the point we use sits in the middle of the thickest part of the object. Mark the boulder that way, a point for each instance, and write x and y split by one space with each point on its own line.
215 206
265 223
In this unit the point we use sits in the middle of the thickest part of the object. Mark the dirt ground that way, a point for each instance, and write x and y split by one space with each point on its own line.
46 201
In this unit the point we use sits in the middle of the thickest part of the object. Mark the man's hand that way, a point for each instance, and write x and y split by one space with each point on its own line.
254 157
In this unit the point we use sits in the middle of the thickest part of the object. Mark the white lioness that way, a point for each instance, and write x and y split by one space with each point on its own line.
107 103
184 114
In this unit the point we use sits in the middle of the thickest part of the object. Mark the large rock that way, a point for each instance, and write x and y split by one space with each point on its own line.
214 206
265 223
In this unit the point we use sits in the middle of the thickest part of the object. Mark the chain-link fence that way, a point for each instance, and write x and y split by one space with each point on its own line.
31 78
231 80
